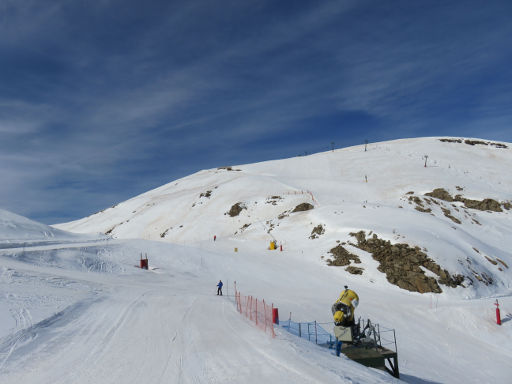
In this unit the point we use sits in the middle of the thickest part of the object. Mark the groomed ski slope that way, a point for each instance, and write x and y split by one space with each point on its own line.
165 325
123 324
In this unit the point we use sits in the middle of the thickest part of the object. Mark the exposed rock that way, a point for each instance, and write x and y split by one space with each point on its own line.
273 200
419 204
236 209
354 270
206 194
493 262
483 205
483 278
502 262
441 194
317 231
243 228
475 142
447 213
342 257
303 207
401 264
110 230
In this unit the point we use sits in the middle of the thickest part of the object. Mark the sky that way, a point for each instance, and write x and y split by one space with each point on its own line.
101 101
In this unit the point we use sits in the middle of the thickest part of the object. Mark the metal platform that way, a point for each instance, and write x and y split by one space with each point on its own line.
369 347
373 346
375 357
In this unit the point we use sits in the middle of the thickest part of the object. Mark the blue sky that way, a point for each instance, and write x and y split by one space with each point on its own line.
103 100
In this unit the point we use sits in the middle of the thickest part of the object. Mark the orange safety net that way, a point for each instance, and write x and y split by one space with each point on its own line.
256 311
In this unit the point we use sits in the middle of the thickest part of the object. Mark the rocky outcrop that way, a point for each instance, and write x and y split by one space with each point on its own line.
342 257
474 142
403 265
317 231
354 270
236 209
303 207
481 205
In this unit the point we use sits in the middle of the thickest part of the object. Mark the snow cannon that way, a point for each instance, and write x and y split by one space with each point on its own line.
343 308
343 313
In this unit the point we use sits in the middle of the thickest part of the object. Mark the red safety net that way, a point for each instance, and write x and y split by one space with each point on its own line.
256 311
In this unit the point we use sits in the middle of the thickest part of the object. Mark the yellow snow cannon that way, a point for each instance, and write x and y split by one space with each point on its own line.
343 308
343 313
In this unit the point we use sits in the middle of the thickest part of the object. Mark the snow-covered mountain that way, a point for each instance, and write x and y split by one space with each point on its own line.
450 197
424 241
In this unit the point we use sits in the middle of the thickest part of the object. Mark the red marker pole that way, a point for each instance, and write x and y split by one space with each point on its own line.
498 315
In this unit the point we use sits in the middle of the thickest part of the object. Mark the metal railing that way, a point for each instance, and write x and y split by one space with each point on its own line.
369 334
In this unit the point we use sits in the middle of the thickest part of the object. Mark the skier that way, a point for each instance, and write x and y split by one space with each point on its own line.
219 288
214 237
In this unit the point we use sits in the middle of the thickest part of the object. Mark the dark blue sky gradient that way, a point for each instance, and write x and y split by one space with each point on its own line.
101 101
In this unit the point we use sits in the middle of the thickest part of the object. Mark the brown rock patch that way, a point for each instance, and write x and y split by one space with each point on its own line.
303 207
236 209
354 270
401 263
342 257
317 231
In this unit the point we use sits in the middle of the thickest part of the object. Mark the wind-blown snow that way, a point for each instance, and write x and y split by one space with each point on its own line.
76 310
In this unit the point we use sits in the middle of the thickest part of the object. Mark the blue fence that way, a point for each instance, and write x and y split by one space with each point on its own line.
315 332
312 331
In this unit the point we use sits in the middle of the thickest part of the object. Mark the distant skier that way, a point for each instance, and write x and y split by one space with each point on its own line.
219 288
214 237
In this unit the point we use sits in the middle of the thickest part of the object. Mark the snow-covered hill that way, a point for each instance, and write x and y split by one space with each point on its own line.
14 228
76 310
463 226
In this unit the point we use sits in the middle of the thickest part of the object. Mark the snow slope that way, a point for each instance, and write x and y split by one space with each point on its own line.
351 190
80 312
123 324
15 228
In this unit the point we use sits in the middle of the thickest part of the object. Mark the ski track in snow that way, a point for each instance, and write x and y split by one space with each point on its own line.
158 328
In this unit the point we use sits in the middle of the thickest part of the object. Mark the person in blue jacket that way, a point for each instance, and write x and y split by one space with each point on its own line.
219 288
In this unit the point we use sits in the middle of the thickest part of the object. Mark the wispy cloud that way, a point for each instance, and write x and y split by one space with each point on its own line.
101 102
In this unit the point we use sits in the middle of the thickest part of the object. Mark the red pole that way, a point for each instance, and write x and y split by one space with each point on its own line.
275 315
265 315
498 316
